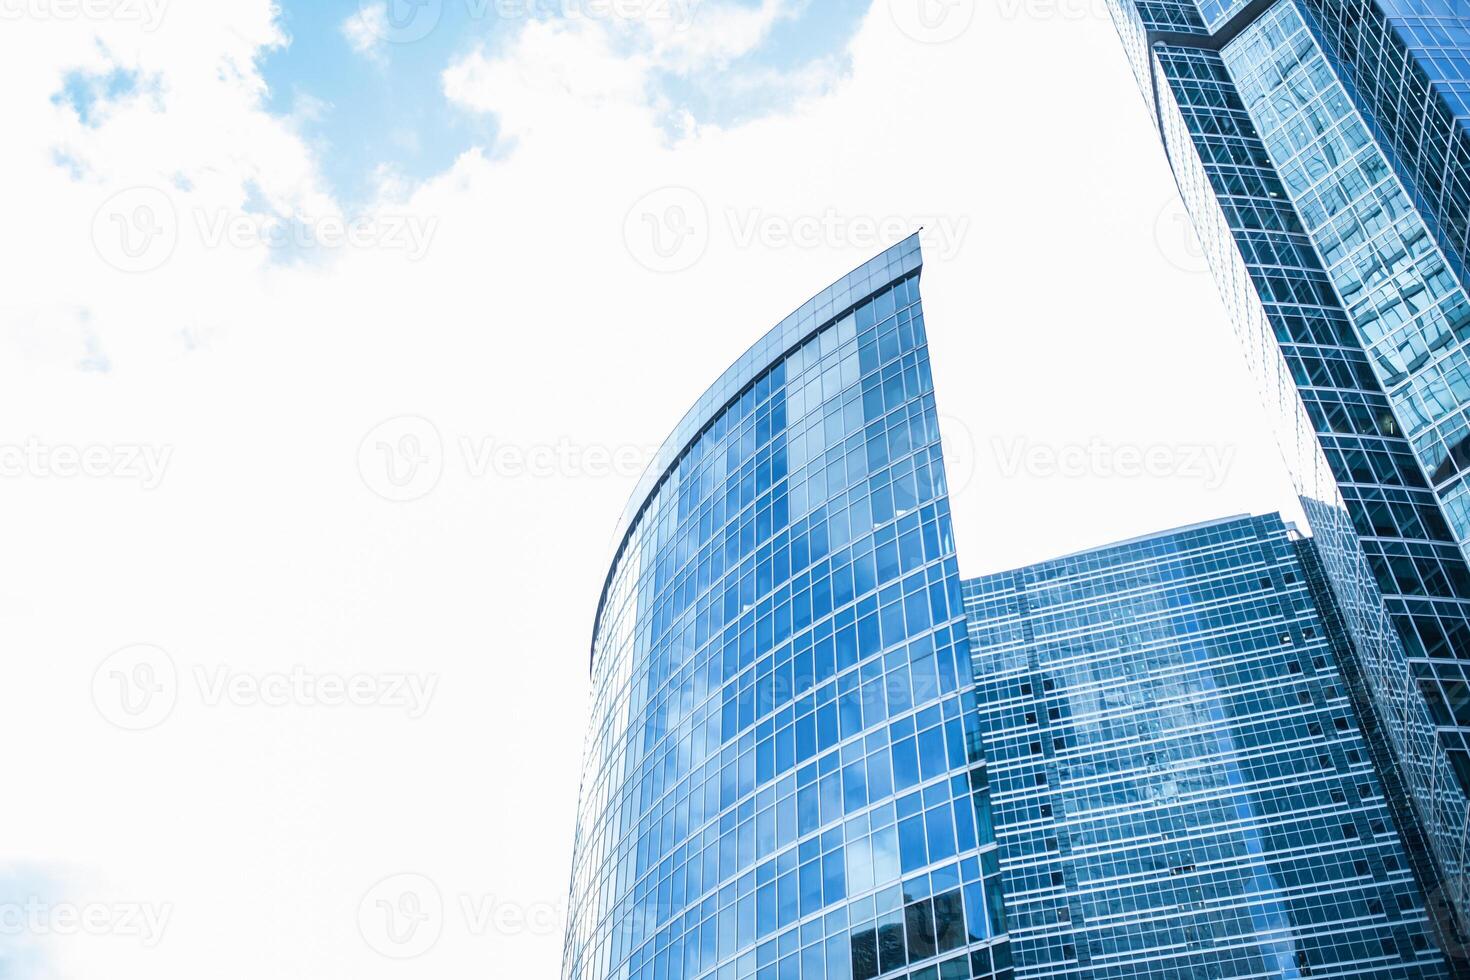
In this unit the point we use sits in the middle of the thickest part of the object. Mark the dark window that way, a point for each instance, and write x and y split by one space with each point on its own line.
919 923
890 941
949 918
864 955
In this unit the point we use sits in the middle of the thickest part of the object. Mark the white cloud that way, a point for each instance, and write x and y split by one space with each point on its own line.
554 71
605 66
367 29
709 35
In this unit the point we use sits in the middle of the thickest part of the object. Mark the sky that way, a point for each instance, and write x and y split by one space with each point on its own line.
333 339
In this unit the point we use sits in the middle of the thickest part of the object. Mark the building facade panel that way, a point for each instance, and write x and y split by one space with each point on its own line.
783 776
1437 32
1401 62
1407 307
1181 784
1394 565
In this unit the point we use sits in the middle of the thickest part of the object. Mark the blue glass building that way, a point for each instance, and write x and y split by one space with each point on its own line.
1181 781
1321 149
783 776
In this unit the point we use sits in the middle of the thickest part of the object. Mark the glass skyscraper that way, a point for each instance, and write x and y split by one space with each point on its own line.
1320 147
783 774
1181 781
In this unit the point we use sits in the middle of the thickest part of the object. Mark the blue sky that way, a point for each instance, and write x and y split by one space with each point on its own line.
1059 308
362 111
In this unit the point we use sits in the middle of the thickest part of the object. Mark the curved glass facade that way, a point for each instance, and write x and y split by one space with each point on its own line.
783 776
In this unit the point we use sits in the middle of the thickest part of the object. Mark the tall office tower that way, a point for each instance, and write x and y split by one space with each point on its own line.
1320 148
1181 783
783 775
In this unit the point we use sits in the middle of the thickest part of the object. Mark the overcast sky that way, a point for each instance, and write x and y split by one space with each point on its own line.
333 342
